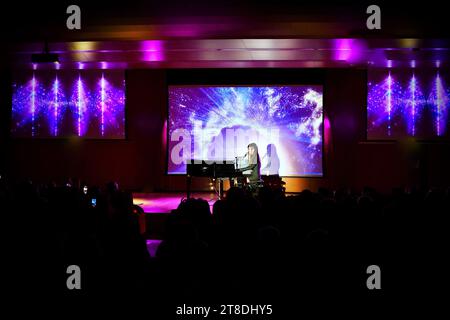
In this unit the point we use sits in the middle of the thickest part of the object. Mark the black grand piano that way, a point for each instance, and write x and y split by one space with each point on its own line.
211 169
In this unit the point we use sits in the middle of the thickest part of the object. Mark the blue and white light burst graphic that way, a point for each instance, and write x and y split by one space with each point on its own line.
56 101
439 100
407 103
80 99
384 104
284 121
26 102
110 106
65 103
414 103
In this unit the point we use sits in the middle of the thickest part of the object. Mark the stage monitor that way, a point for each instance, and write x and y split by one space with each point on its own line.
68 103
217 123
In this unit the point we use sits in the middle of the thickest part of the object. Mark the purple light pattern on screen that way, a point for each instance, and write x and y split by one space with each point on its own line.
102 85
80 99
55 103
398 107
414 105
43 108
440 100
294 113
110 102
389 101
33 103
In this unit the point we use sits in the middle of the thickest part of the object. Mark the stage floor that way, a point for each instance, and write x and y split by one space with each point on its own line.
167 201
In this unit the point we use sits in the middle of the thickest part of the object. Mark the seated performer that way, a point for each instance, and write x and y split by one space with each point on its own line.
253 164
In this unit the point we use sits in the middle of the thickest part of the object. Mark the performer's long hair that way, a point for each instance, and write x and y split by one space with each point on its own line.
254 158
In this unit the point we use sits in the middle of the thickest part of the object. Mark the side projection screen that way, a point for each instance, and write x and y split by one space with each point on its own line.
405 103
217 123
68 103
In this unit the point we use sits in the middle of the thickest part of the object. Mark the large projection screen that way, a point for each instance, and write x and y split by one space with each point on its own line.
218 122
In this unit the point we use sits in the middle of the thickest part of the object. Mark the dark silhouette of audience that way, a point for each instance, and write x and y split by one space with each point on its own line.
249 247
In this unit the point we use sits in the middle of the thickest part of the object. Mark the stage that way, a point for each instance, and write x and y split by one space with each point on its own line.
156 208
158 205
168 201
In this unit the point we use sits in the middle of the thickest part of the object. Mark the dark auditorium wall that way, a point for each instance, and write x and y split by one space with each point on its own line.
138 162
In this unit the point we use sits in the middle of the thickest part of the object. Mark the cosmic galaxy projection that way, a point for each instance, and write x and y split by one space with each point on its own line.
218 122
